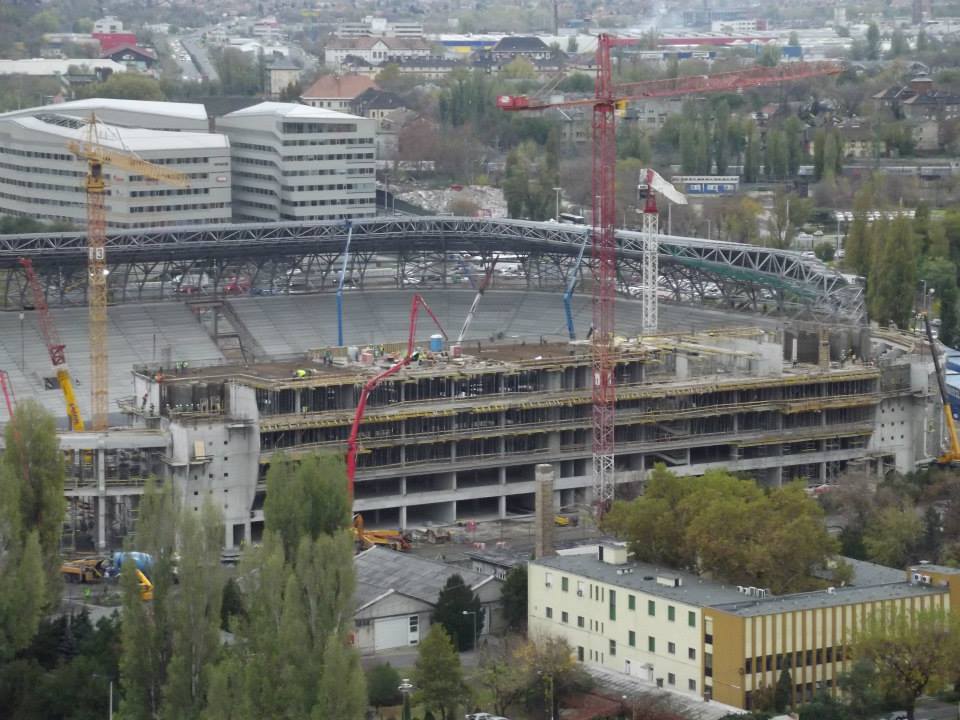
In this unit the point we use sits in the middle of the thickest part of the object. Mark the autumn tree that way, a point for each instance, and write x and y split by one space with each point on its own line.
727 526
910 653
547 668
893 536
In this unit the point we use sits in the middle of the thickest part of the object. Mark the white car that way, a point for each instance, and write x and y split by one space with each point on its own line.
484 716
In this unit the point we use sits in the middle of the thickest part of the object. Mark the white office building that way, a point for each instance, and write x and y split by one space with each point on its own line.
40 178
299 163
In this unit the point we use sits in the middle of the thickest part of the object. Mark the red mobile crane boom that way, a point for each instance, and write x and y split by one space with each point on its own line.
416 303
607 98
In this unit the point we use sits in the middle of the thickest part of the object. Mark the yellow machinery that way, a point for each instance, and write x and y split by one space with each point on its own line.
83 570
146 587
952 455
97 156
365 539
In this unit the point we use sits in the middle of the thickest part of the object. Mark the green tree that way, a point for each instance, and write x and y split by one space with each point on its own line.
195 613
824 707
873 42
892 277
770 56
794 39
519 69
458 609
859 242
776 156
31 491
578 82
572 48
825 251
898 44
940 275
126 86
910 653
383 683
438 676
547 668
499 677
923 42
751 158
514 595
306 498
793 136
893 536
783 692
239 72
788 214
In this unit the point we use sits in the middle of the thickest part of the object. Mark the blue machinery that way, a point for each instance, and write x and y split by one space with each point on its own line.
571 285
343 272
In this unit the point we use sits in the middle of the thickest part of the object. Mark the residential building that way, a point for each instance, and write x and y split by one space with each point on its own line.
40 67
379 27
42 179
295 162
336 92
132 56
859 140
108 25
527 46
375 50
920 100
397 593
376 104
709 639
282 74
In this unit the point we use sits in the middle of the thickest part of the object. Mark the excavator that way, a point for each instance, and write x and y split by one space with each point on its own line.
951 456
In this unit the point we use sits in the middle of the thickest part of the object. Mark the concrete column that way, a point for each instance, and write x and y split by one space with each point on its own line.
101 465
823 350
502 506
403 517
403 484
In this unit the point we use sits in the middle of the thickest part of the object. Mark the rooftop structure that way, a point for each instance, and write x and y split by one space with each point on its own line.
337 92
45 67
375 50
295 162
379 27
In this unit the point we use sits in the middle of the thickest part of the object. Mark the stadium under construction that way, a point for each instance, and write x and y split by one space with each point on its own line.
223 379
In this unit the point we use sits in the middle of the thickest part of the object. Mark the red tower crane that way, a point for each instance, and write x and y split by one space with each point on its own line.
368 387
608 96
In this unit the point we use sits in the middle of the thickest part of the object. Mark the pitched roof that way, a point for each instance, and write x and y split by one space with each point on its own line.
520 43
291 110
344 87
376 99
383 570
127 47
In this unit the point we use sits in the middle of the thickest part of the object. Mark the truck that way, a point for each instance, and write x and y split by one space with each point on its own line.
84 570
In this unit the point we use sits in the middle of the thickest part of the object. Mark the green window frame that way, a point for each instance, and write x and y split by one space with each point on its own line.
632 639
564 584
671 613
651 644
631 602
691 618
651 608
613 604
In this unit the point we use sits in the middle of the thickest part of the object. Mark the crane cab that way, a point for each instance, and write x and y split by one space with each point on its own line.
513 102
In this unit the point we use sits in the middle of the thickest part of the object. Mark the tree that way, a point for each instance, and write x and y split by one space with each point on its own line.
893 536
515 185
940 275
514 597
770 56
239 72
824 707
825 251
892 277
458 609
859 242
783 692
548 669
31 496
383 683
910 652
438 676
793 135
794 39
923 42
498 676
572 48
898 44
776 157
577 82
751 158
126 86
519 69
713 524
873 42
306 498
789 212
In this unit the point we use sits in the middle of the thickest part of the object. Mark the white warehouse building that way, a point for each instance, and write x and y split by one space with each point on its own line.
41 179
299 163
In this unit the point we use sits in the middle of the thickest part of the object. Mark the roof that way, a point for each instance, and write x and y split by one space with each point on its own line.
282 63
366 43
125 47
752 607
693 590
375 99
345 87
942 569
866 573
291 110
520 43
380 570
123 138
82 108
42 66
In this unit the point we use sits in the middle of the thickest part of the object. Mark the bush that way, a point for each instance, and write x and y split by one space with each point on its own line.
825 251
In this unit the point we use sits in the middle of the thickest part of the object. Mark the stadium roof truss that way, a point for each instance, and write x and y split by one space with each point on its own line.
425 250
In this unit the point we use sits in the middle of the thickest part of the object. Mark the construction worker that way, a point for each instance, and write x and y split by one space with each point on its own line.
300 373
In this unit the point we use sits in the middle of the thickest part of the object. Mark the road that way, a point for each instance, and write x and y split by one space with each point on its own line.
194 46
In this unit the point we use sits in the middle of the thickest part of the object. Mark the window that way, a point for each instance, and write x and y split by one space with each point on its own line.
564 618
414 624
671 613
692 618
613 647
692 685
651 608
651 644
631 602
748 666
580 653
580 584
613 605
672 648
671 679
632 639
564 584
691 653
549 613
548 579
580 621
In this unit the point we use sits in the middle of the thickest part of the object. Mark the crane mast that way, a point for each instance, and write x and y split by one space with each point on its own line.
608 97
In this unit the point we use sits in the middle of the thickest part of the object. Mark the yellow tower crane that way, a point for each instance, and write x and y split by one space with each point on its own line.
97 156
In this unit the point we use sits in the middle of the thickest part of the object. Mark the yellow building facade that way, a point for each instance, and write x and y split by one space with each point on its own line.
723 642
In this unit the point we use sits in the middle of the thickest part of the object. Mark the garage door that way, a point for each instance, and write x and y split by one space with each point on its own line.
391 633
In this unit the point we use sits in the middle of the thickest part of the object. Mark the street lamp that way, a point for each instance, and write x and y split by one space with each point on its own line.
557 191
474 613
405 687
